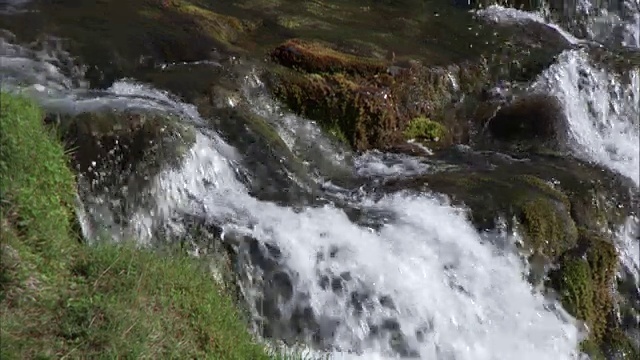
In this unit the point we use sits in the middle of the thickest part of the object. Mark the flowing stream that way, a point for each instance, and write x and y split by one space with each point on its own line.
411 277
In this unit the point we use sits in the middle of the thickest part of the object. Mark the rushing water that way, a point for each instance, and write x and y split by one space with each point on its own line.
417 279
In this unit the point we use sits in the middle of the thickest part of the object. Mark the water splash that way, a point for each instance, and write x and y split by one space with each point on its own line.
500 14
603 110
628 245
453 294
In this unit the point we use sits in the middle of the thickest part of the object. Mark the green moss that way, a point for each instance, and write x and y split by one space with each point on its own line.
617 345
584 281
576 288
541 211
60 298
422 128
603 260
224 29
544 187
350 110
592 349
542 224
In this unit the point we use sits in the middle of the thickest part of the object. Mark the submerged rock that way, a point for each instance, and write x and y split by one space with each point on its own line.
117 37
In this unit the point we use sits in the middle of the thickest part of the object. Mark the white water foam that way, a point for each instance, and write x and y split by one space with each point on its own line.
603 110
500 14
628 245
302 136
386 165
12 7
616 22
470 295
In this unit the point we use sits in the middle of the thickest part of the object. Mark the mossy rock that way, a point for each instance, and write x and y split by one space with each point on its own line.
541 212
617 345
369 103
122 143
320 57
585 281
360 113
576 288
138 34
549 196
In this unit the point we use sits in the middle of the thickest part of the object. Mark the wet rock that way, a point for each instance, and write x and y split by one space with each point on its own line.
273 173
319 57
585 281
117 37
368 103
523 48
119 144
526 124
360 114
560 205
549 196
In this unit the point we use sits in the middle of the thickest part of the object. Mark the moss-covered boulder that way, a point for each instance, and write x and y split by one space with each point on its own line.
116 145
403 88
585 282
541 212
321 57
565 210
369 101
362 114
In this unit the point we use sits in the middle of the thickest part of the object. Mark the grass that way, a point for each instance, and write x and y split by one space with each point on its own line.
60 298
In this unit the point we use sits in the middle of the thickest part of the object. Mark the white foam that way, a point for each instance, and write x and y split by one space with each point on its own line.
302 136
500 14
378 164
628 245
603 110
631 35
436 267
11 7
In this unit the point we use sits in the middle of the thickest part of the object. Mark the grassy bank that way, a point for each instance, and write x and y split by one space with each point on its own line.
61 298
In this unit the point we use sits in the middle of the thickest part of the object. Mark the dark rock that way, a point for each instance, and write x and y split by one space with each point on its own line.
528 123
134 35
